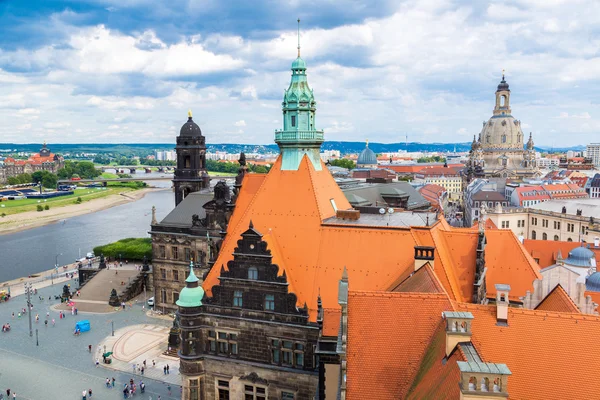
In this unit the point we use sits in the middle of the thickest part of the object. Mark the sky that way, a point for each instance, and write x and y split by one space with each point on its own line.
127 71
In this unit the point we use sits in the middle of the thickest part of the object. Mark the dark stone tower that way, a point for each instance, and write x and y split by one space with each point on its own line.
190 174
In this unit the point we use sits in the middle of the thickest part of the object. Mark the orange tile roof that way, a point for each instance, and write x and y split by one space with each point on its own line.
383 362
546 251
422 281
436 379
331 321
558 300
289 207
551 355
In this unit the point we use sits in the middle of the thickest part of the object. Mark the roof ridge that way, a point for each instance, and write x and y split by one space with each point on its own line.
246 211
367 293
538 313
564 296
449 275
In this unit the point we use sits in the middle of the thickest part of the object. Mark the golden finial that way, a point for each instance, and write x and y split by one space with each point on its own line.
367 142
298 37
503 73
189 113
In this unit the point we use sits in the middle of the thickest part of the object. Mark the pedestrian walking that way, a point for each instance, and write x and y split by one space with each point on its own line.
133 366
142 370
13 315
113 381
84 395
90 392
138 367
37 318
46 323
144 363
53 322
167 369
169 388
47 314
89 348
97 362
153 364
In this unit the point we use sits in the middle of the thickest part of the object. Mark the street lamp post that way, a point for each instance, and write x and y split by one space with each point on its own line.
112 325
37 342
55 267
28 291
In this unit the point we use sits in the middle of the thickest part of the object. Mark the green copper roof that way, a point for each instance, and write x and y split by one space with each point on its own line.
192 294
299 136
298 64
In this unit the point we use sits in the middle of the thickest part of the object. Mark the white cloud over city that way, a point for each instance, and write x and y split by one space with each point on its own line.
128 71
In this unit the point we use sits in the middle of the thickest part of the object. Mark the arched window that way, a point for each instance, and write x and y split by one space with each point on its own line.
503 138
502 101
252 273
533 235
556 238
569 240
485 384
497 385
544 236
472 383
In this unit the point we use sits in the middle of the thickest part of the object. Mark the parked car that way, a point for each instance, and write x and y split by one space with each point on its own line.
89 255
151 301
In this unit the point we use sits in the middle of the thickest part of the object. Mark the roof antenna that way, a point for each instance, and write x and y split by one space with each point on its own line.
298 37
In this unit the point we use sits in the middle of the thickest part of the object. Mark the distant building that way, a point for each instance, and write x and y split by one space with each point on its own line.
594 189
576 163
165 155
593 152
45 160
570 220
447 177
436 195
498 152
545 162
367 158
327 155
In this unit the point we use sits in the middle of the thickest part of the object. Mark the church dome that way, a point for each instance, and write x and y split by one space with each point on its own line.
503 85
190 128
580 257
298 64
366 157
192 294
592 282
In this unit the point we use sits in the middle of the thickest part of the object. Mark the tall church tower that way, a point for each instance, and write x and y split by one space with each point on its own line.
299 135
502 98
190 174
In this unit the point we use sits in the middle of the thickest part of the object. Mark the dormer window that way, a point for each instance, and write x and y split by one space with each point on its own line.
252 274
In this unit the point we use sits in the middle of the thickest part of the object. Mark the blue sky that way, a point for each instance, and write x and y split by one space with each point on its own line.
128 70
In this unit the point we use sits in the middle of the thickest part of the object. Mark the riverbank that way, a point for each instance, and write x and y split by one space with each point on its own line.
34 219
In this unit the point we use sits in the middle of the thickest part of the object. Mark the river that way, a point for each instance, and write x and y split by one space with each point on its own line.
35 250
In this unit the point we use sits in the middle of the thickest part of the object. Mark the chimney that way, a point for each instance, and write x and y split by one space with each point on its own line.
502 304
423 255
458 329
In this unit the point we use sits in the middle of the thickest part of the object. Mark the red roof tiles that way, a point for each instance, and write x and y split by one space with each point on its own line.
558 300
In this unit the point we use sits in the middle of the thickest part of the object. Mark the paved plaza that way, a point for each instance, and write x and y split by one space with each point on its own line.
61 366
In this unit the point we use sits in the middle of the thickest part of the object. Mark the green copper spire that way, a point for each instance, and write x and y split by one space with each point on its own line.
299 135
192 294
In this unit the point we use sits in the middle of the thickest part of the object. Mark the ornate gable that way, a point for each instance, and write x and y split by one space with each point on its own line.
251 280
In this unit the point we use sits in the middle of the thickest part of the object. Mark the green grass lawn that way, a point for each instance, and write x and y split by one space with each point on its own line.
109 175
10 207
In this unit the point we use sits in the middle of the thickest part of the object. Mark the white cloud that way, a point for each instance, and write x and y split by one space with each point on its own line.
241 122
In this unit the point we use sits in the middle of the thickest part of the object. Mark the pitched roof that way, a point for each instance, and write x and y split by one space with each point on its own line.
546 251
488 195
290 209
559 361
437 379
383 363
331 321
558 300
422 281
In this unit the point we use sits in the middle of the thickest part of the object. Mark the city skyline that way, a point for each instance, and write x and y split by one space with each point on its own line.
127 72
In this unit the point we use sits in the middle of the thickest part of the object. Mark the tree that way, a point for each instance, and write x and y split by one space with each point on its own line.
48 179
101 159
343 163
19 179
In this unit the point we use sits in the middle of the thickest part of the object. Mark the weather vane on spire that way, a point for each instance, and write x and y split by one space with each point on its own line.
298 37
189 113
503 73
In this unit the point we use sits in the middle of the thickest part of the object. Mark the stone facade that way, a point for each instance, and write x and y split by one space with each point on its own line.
250 337
172 254
42 161
499 150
